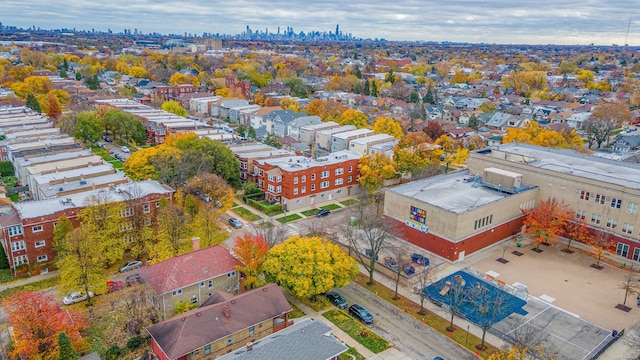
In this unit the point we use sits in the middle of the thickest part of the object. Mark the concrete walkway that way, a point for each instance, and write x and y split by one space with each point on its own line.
28 280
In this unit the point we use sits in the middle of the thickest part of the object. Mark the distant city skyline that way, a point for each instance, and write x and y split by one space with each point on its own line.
562 22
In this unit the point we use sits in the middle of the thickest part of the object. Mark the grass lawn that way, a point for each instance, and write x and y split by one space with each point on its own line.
235 204
439 324
312 212
355 329
6 276
351 351
296 312
15 197
349 202
286 219
320 304
245 214
9 180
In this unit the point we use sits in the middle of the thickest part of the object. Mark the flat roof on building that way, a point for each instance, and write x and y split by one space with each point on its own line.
348 134
573 163
450 192
372 139
52 191
87 171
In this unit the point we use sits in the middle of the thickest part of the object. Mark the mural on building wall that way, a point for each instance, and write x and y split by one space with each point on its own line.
418 219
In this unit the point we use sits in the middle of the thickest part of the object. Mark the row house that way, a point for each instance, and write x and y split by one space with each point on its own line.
242 114
340 141
298 181
307 133
27 231
221 325
220 108
20 164
42 147
323 137
192 277
202 105
293 128
277 122
259 118
363 145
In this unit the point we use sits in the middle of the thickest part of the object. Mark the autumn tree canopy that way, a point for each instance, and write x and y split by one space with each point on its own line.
309 266
546 221
37 320
374 169
251 251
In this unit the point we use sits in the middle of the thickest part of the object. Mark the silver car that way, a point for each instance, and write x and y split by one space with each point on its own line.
76 297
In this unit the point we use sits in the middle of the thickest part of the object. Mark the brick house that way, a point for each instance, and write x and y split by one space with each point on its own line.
222 324
27 231
193 277
298 181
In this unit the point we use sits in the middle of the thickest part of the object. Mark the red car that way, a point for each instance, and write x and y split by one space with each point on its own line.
114 285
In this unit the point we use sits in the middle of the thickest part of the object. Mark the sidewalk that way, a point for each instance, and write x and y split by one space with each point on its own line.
28 280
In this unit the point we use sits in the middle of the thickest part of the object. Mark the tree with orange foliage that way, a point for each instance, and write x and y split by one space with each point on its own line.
251 251
601 242
576 230
54 110
37 321
546 221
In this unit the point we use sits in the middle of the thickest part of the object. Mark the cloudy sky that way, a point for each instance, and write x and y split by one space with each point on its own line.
602 22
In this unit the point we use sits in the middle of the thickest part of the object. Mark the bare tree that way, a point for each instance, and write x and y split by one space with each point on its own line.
140 313
272 234
424 279
373 236
632 341
315 227
604 119
528 339
453 290
628 287
400 254
489 306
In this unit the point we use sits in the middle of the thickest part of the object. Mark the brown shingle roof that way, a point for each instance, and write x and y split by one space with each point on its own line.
182 334
188 269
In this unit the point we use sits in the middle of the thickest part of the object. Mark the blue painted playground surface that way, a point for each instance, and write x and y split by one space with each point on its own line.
438 293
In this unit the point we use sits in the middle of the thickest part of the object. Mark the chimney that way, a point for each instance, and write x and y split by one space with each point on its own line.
195 243
227 311
250 345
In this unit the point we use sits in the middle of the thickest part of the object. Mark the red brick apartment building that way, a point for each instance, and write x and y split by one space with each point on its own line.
298 181
27 229
169 92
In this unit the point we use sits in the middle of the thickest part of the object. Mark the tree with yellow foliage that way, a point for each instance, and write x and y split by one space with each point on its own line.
174 107
224 92
374 169
137 71
387 125
355 118
532 133
309 266
288 103
327 110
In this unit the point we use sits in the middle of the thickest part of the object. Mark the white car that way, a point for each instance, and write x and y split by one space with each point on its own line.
125 149
76 297
130 265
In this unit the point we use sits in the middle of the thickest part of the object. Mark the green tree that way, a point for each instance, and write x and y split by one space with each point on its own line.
4 262
63 73
251 133
297 87
174 108
88 127
78 76
242 130
366 89
474 122
65 348
430 97
273 140
414 97
138 132
374 88
81 266
309 266
32 103
92 81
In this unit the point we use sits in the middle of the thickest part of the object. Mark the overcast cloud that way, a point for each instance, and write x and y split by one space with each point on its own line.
602 22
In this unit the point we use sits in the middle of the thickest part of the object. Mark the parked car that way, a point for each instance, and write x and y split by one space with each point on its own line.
438 358
130 265
361 314
100 145
76 297
107 139
419 259
125 149
235 223
134 279
408 269
114 285
391 263
336 299
323 212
